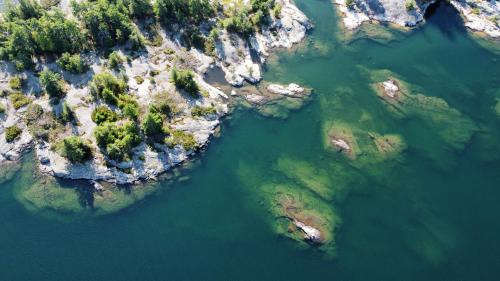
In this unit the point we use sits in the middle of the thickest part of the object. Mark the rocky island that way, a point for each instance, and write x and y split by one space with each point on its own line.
126 99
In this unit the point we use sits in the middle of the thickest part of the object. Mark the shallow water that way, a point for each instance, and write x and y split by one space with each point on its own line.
428 213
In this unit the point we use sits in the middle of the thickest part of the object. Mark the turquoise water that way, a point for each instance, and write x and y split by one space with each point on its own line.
431 213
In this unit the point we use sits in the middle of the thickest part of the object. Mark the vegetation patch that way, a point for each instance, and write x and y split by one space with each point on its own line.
75 149
185 139
16 83
19 100
72 63
103 114
184 80
117 140
198 111
52 83
12 133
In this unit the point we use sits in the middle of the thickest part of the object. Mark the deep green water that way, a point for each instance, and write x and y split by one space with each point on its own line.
432 213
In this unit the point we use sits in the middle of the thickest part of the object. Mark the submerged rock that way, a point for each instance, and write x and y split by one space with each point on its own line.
453 127
302 216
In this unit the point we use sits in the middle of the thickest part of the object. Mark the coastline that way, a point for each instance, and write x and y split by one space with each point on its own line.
233 56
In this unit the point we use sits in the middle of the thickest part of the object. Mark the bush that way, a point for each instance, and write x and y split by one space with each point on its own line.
15 83
137 41
152 125
19 100
72 63
103 114
165 108
184 79
52 83
181 138
277 10
33 113
117 140
106 86
75 149
12 132
115 60
129 106
349 3
199 111
67 114
2 109
410 5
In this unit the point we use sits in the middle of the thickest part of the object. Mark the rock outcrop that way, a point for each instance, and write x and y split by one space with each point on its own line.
241 60
480 16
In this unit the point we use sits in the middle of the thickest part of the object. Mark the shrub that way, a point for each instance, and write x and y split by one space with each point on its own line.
129 106
277 10
2 109
152 124
165 108
15 83
75 149
181 138
137 41
103 114
349 3
52 83
199 111
410 5
106 86
72 63
19 100
12 132
117 140
139 80
115 60
67 114
184 79
33 113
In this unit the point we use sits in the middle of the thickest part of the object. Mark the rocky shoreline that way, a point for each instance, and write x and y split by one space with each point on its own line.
241 60
479 16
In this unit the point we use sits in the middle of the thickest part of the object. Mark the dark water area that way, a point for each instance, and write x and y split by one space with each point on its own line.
430 212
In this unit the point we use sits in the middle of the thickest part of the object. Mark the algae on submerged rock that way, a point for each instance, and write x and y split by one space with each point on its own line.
454 128
290 204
